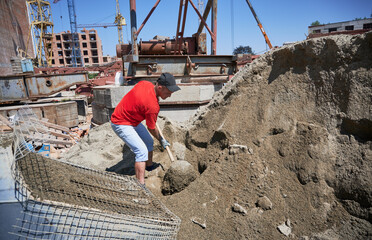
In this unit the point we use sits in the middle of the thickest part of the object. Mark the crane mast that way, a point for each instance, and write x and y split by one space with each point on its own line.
41 30
75 56
120 22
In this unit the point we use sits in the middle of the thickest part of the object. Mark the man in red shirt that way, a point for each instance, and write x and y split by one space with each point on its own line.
142 103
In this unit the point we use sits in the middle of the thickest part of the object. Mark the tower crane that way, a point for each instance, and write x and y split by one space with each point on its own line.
41 30
119 23
75 55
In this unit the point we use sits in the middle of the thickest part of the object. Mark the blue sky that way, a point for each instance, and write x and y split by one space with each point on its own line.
283 21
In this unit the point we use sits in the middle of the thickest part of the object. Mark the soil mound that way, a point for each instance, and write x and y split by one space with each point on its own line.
283 150
302 116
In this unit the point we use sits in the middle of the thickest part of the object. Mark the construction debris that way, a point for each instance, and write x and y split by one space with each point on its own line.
285 228
92 203
50 138
239 209
179 175
199 222
264 203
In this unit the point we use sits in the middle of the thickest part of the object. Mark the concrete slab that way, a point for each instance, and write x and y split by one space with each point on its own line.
6 160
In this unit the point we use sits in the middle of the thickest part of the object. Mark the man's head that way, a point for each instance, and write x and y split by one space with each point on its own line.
166 85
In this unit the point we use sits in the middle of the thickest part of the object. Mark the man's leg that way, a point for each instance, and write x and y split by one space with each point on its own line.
130 136
149 161
148 140
139 167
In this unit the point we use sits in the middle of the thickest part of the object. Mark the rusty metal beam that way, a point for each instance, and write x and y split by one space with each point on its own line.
23 87
183 25
147 18
133 24
179 34
214 27
205 16
197 66
202 20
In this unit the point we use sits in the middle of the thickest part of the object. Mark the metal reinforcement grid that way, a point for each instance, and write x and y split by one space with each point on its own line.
65 201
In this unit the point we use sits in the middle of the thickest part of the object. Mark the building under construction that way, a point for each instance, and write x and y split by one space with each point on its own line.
90 47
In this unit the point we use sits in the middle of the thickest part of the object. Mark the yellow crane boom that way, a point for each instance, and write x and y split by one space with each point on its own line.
260 25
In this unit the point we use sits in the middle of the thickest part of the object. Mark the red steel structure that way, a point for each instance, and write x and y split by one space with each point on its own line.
185 57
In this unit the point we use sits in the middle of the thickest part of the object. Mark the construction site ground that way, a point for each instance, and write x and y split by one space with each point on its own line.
283 150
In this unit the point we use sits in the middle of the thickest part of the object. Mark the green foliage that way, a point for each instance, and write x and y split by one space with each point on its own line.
316 23
92 75
243 49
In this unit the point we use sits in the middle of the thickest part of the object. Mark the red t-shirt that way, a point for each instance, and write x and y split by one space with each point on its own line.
137 105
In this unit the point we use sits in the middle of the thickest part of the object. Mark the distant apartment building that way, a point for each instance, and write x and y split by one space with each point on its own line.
355 26
90 49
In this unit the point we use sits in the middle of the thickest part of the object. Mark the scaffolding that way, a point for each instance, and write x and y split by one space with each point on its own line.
61 200
41 31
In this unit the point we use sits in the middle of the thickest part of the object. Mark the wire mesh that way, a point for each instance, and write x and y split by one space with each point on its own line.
65 201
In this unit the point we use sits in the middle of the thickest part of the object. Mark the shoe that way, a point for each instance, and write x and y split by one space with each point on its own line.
152 167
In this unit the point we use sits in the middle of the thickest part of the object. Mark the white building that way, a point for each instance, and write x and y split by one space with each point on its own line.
362 24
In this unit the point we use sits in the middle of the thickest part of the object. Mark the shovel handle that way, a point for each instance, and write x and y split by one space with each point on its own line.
167 147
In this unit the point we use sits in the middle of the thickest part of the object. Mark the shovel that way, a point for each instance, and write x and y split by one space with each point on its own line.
167 147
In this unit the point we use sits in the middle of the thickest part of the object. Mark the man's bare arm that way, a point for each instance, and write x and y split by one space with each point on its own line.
155 133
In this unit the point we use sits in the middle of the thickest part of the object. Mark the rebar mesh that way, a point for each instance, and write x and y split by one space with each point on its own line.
65 201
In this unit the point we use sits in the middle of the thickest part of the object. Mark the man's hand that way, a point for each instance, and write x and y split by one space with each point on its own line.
164 143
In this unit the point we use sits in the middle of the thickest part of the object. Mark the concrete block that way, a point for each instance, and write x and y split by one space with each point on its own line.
193 93
100 114
114 95
178 114
99 95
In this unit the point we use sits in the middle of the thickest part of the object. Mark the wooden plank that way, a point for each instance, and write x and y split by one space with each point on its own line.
50 113
70 123
5 121
57 134
48 140
37 111
65 118
55 126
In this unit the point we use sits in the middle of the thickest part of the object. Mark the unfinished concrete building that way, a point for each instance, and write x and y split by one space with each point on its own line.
14 31
90 49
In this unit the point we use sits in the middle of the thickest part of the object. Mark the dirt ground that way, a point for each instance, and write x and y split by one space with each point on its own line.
284 150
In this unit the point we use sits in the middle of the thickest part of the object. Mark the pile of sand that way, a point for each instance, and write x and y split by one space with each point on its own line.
284 149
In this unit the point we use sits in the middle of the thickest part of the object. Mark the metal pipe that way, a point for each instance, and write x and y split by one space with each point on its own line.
214 27
133 23
205 16
183 26
178 24
147 18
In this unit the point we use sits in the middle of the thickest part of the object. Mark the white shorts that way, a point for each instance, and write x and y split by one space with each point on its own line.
137 138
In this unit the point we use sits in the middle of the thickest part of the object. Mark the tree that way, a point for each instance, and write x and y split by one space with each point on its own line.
241 49
316 23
